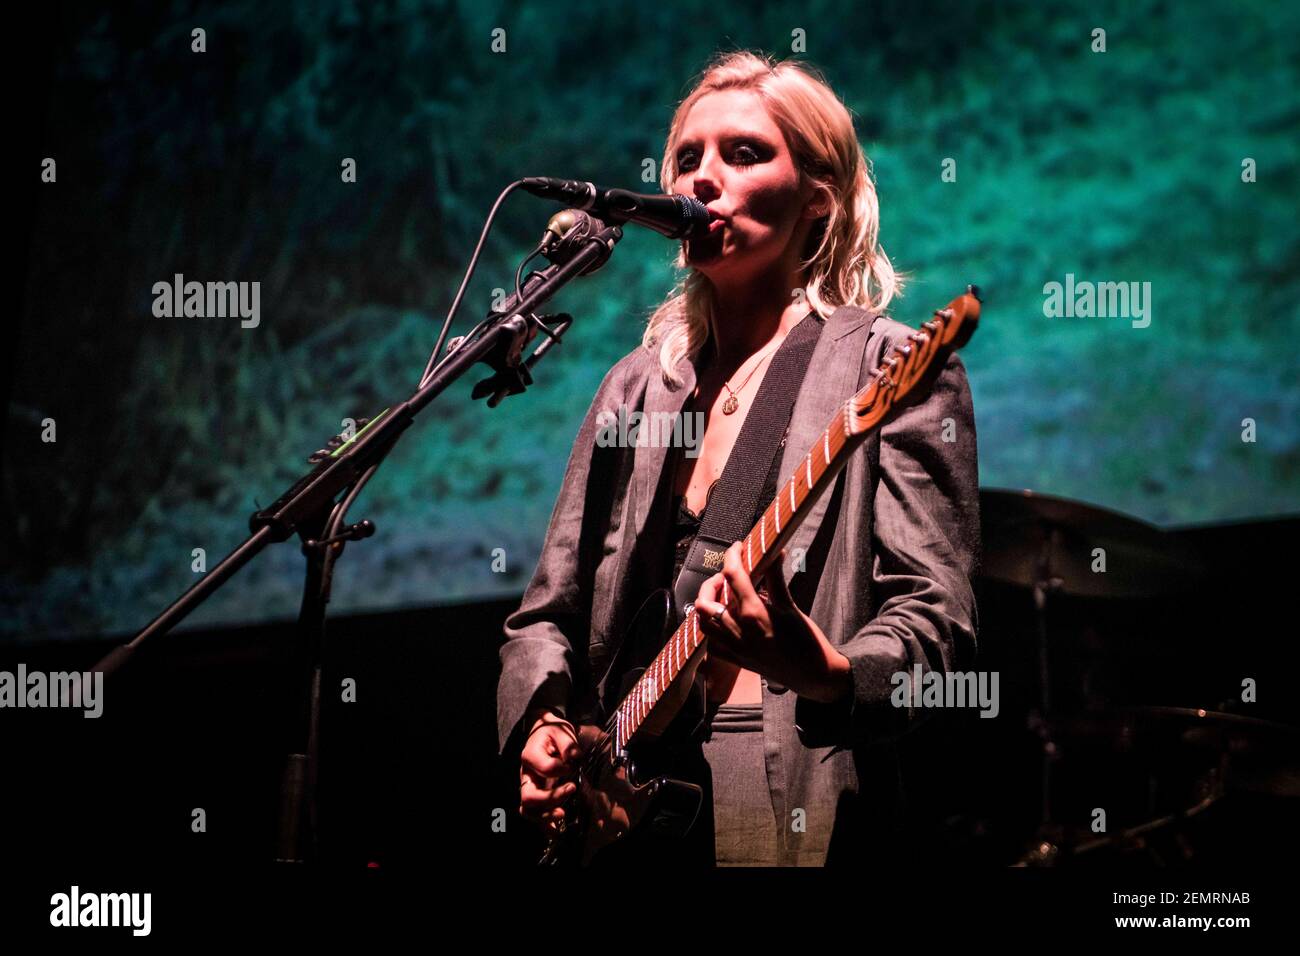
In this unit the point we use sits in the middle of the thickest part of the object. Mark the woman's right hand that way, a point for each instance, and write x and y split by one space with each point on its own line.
549 756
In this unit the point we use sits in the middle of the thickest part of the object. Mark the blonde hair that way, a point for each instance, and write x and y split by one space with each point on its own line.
846 265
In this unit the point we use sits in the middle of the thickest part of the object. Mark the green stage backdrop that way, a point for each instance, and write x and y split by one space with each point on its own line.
1014 145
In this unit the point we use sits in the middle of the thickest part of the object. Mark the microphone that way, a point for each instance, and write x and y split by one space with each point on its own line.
675 216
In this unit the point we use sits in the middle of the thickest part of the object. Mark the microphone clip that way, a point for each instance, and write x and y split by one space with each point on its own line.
512 375
571 229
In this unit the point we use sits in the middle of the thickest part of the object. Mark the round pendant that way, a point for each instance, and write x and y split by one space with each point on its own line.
730 405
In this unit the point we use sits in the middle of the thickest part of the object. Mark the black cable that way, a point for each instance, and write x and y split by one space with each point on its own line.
519 294
335 522
435 360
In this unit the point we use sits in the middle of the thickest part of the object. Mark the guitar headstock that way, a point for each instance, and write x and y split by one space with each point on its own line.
909 368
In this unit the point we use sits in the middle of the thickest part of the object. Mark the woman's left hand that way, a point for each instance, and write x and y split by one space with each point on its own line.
767 633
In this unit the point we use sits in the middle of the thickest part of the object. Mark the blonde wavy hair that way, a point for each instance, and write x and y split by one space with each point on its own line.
843 262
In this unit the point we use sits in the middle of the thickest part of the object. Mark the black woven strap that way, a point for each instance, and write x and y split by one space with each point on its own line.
734 505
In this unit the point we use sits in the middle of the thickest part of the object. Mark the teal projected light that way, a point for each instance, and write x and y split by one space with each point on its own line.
1124 197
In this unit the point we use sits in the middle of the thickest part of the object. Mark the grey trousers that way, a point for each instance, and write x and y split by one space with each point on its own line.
744 824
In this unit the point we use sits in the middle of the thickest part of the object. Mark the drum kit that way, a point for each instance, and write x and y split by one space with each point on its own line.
1117 780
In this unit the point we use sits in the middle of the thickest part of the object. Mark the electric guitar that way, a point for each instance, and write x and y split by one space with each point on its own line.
621 762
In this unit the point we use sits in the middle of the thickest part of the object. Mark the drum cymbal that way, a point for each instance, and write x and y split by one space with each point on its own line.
1030 537
1263 755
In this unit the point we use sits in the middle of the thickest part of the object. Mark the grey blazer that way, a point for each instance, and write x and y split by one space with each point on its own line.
890 550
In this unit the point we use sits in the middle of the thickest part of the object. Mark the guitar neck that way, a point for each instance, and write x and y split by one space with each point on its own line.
907 370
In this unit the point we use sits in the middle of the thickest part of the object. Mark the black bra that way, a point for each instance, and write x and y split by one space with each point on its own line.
685 510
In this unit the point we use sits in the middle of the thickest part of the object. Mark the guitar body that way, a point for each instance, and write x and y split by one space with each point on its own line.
643 809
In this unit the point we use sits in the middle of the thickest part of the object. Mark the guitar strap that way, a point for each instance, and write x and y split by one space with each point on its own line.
734 506
736 502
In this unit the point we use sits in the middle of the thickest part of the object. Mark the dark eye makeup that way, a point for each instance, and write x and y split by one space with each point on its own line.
739 152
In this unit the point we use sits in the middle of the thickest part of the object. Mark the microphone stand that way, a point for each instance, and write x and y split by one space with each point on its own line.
309 509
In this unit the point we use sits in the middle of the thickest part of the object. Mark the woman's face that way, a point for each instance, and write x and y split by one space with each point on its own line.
732 157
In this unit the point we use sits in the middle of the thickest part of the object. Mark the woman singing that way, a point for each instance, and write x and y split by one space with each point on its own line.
799 764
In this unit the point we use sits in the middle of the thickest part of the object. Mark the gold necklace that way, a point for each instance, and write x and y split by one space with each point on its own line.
731 404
